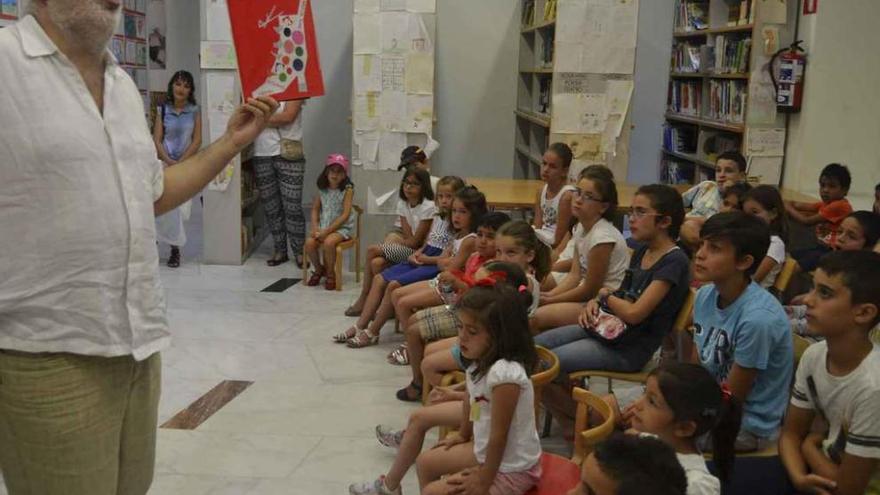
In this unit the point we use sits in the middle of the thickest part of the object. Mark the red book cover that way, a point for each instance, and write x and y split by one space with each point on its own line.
276 47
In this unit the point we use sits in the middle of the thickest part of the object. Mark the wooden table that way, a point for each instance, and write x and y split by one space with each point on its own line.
522 193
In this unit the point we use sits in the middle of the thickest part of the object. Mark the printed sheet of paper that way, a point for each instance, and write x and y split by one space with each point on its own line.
393 73
765 141
367 148
767 169
390 144
395 32
420 73
579 113
583 146
366 111
762 100
367 74
422 6
393 112
596 36
220 102
420 113
773 11
613 128
381 204
217 55
218 21
361 6
619 95
392 5
367 33
419 37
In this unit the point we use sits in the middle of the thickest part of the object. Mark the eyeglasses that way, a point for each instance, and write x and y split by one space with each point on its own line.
585 196
639 213
411 183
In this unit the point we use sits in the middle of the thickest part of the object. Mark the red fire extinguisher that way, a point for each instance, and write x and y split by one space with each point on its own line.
789 80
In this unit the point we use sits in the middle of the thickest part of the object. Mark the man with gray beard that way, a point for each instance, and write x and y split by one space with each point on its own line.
82 313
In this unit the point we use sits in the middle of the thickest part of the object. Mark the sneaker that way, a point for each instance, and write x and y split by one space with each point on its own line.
376 487
389 437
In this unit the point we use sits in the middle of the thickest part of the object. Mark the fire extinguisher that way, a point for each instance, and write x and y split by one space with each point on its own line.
789 82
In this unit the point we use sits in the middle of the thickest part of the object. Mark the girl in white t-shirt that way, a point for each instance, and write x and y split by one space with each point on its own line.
553 206
682 402
415 210
496 341
765 202
600 259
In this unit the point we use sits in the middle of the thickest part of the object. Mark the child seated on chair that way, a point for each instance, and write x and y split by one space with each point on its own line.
415 210
442 290
859 231
620 330
826 215
765 202
838 382
733 196
332 221
705 199
553 206
741 332
630 464
600 251
681 403
444 409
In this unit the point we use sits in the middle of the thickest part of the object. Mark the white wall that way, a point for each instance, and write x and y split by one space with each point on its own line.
840 120
477 59
181 42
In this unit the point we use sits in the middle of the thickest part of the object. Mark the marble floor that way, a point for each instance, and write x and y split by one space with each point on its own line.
306 423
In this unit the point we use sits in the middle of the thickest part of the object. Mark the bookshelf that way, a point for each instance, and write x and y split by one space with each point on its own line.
717 69
129 46
9 12
534 86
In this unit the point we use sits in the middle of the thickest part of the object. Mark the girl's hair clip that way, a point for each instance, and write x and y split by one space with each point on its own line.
522 289
490 281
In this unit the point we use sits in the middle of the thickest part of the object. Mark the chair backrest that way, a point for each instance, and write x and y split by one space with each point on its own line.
800 345
586 438
547 375
360 213
788 270
682 322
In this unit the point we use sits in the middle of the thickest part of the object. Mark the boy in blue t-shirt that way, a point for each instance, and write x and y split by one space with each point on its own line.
741 332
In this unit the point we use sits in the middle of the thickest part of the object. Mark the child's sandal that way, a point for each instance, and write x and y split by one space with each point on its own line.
403 394
341 338
362 339
330 282
316 277
399 356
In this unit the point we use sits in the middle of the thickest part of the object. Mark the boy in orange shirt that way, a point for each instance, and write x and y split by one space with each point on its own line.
826 215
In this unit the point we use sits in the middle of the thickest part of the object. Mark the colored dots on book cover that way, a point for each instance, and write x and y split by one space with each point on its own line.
276 47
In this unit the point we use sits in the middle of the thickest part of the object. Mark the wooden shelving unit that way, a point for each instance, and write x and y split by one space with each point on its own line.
712 74
534 87
129 45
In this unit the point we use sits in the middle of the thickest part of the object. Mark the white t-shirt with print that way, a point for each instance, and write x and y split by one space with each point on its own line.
699 480
268 142
603 232
523 449
776 251
849 403
414 215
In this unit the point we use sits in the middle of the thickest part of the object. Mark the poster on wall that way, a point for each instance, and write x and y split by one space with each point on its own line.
276 48
156 34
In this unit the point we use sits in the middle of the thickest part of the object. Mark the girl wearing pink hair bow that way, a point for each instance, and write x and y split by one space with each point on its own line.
332 221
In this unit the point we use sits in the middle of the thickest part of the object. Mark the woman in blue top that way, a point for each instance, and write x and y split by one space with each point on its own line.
177 134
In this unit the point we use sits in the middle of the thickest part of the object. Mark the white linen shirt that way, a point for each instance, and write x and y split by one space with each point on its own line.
79 271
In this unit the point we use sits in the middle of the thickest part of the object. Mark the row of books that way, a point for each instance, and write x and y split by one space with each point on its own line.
547 49
732 54
528 13
690 57
727 100
685 97
674 171
691 15
741 13
679 138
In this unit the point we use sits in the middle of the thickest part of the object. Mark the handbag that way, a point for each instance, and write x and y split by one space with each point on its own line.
292 150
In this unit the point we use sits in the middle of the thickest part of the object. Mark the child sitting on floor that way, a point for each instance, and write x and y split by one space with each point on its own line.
826 215
332 221
837 382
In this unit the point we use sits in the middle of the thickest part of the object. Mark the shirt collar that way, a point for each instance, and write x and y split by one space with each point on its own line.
36 42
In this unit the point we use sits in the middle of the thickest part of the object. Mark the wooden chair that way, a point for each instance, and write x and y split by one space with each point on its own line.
586 438
789 268
354 242
549 363
558 475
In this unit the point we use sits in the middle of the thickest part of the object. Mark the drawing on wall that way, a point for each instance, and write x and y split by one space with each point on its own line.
276 47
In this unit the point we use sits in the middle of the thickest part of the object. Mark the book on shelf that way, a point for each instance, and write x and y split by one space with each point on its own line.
741 13
528 14
544 95
687 57
727 100
732 54
547 52
713 143
680 139
674 171
685 97
691 15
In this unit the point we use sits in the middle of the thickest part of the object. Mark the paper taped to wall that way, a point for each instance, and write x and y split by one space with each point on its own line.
217 55
420 113
383 204
392 109
366 148
366 111
421 6
390 146
367 34
765 141
419 73
367 74
361 6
